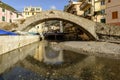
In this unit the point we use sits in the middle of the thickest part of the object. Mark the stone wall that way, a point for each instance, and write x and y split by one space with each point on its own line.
105 31
86 25
9 43
8 59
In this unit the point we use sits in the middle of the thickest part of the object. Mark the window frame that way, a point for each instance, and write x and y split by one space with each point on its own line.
3 10
109 1
115 15
3 18
103 2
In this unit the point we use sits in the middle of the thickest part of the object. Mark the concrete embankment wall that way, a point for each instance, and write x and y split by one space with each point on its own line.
9 43
8 59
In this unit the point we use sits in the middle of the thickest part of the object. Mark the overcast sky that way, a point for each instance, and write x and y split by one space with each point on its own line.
45 4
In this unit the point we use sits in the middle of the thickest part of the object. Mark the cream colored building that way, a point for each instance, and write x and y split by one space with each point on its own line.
30 11
94 10
87 7
73 8
113 12
99 13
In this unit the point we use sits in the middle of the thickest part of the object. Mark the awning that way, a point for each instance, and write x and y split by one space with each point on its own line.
4 32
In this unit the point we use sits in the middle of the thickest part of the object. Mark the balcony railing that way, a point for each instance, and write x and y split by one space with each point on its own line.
81 0
85 5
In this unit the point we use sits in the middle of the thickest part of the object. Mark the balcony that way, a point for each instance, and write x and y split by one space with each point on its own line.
85 5
81 0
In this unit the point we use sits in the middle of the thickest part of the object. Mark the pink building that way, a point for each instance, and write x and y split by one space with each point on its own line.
113 12
7 13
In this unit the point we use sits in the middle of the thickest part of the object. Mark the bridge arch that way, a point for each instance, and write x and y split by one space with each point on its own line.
86 25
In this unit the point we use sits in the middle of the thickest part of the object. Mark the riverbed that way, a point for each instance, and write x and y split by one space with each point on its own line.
41 61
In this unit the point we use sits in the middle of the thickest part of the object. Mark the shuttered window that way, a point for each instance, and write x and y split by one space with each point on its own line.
115 15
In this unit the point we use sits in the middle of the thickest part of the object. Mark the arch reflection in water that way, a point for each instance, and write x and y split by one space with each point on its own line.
49 52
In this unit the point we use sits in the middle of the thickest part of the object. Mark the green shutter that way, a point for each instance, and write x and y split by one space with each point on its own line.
3 10
3 18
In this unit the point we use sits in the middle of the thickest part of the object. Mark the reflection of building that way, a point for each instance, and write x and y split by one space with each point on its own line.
8 13
73 8
113 12
30 11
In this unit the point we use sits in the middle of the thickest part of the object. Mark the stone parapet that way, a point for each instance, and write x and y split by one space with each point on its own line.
9 43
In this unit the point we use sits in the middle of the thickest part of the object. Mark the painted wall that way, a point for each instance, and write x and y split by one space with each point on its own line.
9 15
112 6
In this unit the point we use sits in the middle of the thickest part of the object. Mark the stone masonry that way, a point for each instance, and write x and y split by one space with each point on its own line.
86 25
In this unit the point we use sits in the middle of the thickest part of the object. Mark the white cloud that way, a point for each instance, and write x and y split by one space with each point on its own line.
53 7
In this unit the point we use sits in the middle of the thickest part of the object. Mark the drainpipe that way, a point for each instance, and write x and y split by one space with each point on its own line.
61 26
92 9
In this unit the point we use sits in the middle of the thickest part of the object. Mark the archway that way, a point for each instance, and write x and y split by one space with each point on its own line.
86 25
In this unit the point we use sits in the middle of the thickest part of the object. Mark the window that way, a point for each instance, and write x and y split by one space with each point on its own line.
103 11
32 9
3 18
26 9
87 12
103 2
38 9
11 13
32 13
17 15
26 13
115 15
37 26
103 20
89 0
3 10
109 1
10 21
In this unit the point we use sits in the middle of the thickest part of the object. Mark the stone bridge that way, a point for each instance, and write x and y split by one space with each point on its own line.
94 30
86 25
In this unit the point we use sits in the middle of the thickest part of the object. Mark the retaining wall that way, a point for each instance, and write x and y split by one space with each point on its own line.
9 43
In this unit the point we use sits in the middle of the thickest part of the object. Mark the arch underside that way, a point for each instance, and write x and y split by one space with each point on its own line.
84 25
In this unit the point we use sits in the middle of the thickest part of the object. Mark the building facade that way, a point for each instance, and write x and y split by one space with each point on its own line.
8 13
90 9
94 10
113 12
73 8
30 11
87 8
99 12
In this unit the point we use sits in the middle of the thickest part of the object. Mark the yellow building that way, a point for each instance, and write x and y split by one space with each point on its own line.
99 13
73 8
88 7
94 10
30 11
